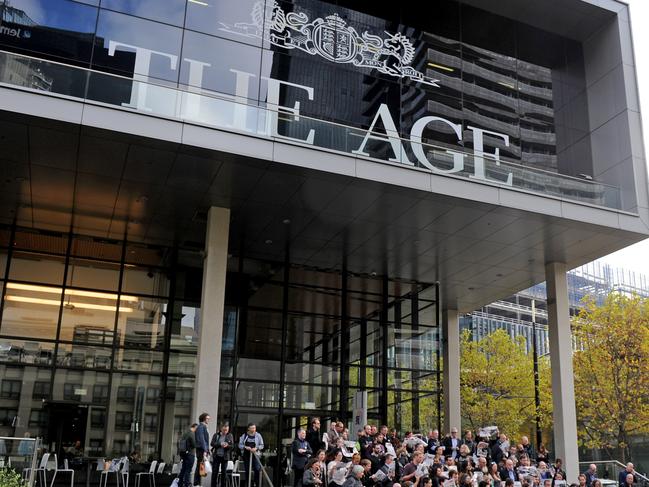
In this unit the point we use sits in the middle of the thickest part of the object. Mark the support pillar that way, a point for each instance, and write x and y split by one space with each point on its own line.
210 335
563 390
451 367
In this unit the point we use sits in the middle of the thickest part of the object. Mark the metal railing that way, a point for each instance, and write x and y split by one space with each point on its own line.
20 453
614 467
194 105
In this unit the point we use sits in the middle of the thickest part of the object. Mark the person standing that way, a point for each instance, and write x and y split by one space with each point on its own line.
314 435
452 445
187 452
622 477
301 451
202 445
250 444
221 444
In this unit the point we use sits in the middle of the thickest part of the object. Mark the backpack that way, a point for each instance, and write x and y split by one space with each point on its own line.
183 446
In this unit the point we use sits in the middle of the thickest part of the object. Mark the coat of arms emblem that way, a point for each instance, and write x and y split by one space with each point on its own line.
332 39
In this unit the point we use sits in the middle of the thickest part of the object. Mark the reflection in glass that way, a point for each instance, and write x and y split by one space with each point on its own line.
223 59
169 11
145 280
26 352
93 274
117 34
141 322
257 394
217 16
77 385
31 310
138 360
136 417
85 357
184 330
29 266
183 363
311 397
56 28
22 391
89 316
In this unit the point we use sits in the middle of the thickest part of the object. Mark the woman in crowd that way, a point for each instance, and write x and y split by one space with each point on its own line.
312 476
464 459
356 459
438 459
543 455
337 470
493 473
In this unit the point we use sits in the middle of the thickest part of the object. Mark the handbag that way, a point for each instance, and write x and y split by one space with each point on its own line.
201 469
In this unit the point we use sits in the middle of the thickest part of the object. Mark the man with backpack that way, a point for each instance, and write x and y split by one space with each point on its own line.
187 452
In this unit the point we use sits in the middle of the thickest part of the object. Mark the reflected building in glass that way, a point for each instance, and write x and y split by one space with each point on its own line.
262 208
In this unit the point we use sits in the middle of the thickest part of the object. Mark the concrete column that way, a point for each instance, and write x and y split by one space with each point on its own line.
451 374
210 335
563 390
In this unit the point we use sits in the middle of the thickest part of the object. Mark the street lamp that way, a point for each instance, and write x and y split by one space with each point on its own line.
537 398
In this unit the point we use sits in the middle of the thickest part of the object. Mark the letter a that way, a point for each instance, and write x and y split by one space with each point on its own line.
391 136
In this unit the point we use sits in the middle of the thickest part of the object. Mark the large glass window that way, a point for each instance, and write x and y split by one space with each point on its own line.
59 29
169 11
120 36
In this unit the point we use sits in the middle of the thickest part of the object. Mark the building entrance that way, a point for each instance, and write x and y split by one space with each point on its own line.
67 430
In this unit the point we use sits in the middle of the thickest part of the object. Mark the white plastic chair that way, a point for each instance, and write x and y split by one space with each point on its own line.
103 479
232 475
66 469
125 471
161 467
150 474
42 466
41 471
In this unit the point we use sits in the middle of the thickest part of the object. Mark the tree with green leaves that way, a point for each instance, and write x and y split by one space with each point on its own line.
611 367
497 383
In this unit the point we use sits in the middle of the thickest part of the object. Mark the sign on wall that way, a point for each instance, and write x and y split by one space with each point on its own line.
332 39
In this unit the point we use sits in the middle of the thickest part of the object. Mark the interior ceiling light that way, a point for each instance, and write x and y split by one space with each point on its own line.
198 2
438 66
55 302
71 292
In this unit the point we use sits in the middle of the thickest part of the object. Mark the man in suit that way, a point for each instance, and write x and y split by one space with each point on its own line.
508 472
202 444
301 451
622 476
222 444
452 445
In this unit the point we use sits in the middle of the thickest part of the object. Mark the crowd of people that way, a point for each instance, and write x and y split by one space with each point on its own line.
379 457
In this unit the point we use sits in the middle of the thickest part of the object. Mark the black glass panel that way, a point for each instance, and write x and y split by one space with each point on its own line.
55 29
169 11
129 45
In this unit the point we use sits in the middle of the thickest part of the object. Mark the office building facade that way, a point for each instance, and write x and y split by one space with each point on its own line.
259 208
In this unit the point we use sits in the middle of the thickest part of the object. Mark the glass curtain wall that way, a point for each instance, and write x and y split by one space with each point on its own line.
107 331
98 330
300 342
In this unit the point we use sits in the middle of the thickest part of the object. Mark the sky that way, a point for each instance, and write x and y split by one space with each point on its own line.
636 257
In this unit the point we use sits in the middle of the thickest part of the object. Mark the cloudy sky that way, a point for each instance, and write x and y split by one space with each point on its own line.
636 257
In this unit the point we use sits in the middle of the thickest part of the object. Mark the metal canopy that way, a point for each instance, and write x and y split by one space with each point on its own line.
61 176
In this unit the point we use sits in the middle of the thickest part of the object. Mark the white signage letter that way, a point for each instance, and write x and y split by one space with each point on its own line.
478 151
391 136
415 140
141 71
191 108
272 98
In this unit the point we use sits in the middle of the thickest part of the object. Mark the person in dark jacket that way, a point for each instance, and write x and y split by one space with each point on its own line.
314 435
202 444
622 476
301 451
222 444
187 452
508 471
